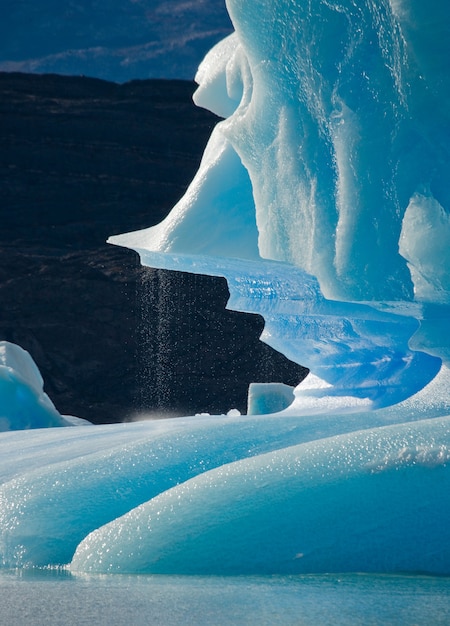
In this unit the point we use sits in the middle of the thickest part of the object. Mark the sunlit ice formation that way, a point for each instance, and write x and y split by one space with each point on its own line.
23 402
323 198
323 195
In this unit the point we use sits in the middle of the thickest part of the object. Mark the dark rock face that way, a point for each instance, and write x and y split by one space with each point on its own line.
82 159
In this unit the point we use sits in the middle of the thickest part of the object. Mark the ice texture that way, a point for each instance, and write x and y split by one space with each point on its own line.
266 398
104 498
348 503
323 198
323 195
23 402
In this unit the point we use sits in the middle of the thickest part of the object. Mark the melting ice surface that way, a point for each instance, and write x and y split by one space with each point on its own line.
322 196
323 199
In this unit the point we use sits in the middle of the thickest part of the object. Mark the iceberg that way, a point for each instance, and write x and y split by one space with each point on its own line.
322 198
321 195
24 404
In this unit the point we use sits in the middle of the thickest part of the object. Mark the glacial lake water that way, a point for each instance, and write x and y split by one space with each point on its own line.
58 598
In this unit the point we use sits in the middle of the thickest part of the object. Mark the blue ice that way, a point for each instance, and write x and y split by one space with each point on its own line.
323 199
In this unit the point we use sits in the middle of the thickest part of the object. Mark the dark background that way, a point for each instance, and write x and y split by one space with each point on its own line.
82 159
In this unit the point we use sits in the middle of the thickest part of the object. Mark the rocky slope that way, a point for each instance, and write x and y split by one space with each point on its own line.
116 40
82 159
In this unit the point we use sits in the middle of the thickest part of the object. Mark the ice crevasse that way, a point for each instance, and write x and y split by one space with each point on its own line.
323 199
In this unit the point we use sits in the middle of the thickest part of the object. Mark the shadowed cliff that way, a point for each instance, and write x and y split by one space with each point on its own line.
82 159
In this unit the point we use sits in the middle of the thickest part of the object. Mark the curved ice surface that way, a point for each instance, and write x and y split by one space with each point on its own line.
59 485
23 402
370 501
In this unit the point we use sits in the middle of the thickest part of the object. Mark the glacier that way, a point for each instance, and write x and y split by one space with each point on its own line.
322 197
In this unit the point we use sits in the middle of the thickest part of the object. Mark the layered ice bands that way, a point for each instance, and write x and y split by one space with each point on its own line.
324 491
327 183
323 198
339 505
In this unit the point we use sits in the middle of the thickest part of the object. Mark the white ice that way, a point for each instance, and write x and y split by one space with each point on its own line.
323 198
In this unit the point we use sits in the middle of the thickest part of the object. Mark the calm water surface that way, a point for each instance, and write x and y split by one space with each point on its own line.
58 598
